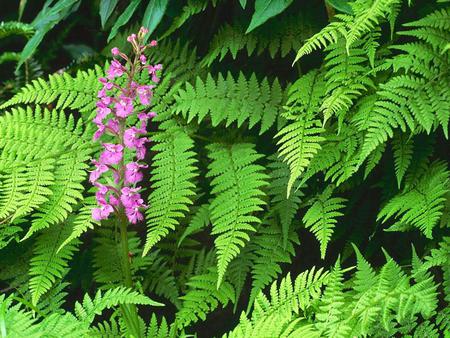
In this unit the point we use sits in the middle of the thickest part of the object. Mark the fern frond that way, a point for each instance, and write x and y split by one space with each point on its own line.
192 8
15 28
367 16
321 217
289 296
328 35
403 150
203 297
269 254
77 93
172 176
299 141
237 183
282 206
90 307
48 264
281 38
420 204
229 100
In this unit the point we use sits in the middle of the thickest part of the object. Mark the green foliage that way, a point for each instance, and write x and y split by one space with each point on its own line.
173 185
229 100
321 217
350 147
236 184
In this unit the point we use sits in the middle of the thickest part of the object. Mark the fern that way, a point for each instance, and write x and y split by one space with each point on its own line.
269 253
90 307
403 149
229 100
413 99
77 92
420 204
321 217
203 297
172 175
48 263
237 183
299 141
284 36
16 28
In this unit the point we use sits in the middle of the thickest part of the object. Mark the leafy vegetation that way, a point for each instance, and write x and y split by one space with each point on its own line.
298 180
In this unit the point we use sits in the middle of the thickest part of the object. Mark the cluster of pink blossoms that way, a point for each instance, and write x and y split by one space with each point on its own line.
116 107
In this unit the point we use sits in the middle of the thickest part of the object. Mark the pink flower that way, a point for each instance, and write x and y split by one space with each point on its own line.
131 38
101 93
113 126
130 137
112 154
143 31
143 59
102 112
134 215
124 107
144 93
99 170
140 148
115 51
103 212
132 172
115 70
100 131
130 196
113 200
153 43
100 194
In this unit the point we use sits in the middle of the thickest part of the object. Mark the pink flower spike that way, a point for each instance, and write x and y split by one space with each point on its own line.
113 153
102 213
115 70
114 201
131 38
103 80
134 215
130 196
124 107
100 194
140 148
101 93
132 172
113 126
95 174
115 51
153 43
100 131
143 59
144 93
130 137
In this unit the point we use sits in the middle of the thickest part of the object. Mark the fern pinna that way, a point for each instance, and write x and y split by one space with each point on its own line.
265 169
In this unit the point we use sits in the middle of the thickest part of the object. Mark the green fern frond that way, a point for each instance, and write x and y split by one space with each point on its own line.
284 36
82 221
289 296
403 149
420 204
269 254
16 28
200 220
90 307
192 8
229 100
77 93
282 206
203 297
237 183
299 141
367 16
328 35
172 176
160 330
321 217
48 264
